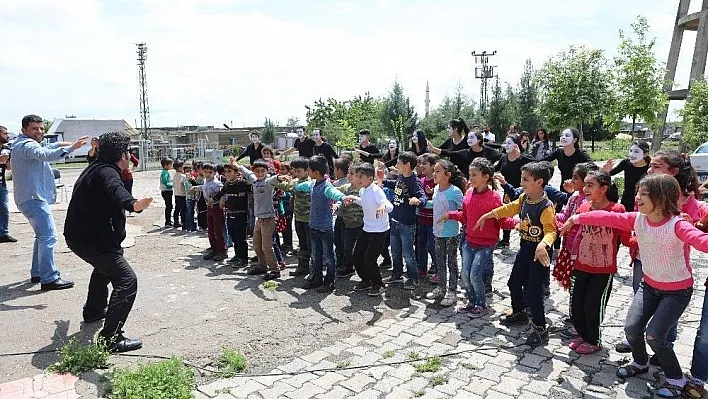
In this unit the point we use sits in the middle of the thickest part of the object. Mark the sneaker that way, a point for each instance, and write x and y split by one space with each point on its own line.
411 284
574 344
466 310
376 290
434 279
326 287
346 273
168 224
694 389
239 263
449 300
256 271
436 293
271 276
363 286
569 333
538 336
478 311
502 244
586 348
432 271
219 257
623 347
7 238
177 226
394 279
511 319
209 256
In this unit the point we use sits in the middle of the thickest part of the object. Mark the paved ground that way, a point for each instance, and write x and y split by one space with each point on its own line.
360 345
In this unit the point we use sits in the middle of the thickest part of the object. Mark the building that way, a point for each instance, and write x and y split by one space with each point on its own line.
71 129
215 136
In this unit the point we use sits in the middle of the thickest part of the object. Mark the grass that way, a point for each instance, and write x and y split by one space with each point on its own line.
430 365
231 362
75 358
413 356
270 285
387 354
343 365
468 366
168 379
419 393
439 379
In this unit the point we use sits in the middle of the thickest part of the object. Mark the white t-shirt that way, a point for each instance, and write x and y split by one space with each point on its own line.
489 137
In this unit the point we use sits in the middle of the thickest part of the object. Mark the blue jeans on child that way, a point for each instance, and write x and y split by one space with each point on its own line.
637 277
475 262
426 246
189 219
402 237
4 211
42 222
699 366
322 249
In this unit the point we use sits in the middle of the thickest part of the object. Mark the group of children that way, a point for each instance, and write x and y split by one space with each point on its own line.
428 208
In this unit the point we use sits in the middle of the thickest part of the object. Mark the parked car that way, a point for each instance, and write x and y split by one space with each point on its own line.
674 136
699 161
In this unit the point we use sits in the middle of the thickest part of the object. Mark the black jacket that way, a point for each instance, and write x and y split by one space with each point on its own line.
95 220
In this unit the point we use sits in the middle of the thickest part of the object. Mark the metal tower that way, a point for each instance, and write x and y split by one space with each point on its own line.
142 81
427 98
485 72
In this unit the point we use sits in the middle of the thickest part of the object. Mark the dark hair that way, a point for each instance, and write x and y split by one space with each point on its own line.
3 128
515 138
365 169
663 191
538 171
198 164
342 164
409 158
259 163
187 166
346 155
605 180
485 167
285 165
576 136
428 157
550 166
480 138
219 169
460 125
422 141
364 132
582 169
113 146
457 179
300 163
254 133
267 148
31 119
318 163
177 164
209 166
686 175
545 134
164 162
228 166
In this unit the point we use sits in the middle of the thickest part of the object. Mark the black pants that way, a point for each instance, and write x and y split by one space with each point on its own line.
167 196
237 227
386 245
526 283
303 235
110 267
366 252
128 184
288 233
202 213
181 210
339 243
349 242
589 293
506 236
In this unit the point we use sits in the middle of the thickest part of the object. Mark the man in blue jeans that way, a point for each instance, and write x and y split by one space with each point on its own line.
4 197
34 191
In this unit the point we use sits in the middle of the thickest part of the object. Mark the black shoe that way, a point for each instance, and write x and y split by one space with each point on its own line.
122 344
209 256
314 283
219 257
546 291
235 259
346 273
623 347
271 276
502 244
238 262
94 318
168 224
514 319
177 226
376 290
57 284
654 360
299 272
35 280
253 259
7 238
362 286
538 336
256 271
326 287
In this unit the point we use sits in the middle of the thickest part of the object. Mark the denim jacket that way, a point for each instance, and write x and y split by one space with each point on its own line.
31 174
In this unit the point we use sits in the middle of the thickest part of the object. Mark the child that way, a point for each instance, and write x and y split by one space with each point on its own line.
215 216
166 189
538 232
263 190
425 237
596 262
234 200
341 174
287 199
191 199
321 230
375 208
447 197
352 217
408 194
180 196
478 244
664 239
201 203
301 213
634 168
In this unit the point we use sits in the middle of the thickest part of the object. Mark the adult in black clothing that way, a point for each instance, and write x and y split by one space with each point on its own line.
94 230
634 168
324 149
92 154
458 131
367 151
304 145
510 167
568 155
253 149
390 157
419 144
476 149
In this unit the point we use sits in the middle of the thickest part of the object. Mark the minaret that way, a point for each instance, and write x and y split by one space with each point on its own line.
427 98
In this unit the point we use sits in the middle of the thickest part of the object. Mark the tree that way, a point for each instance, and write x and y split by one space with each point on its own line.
511 111
293 123
342 119
695 116
47 124
640 78
529 119
399 117
576 86
457 106
268 133
495 112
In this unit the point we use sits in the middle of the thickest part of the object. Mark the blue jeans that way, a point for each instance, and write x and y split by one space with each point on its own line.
474 266
402 236
45 237
426 246
4 211
637 277
322 248
699 368
189 222
276 247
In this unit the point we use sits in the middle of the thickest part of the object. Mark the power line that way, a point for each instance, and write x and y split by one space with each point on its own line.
485 72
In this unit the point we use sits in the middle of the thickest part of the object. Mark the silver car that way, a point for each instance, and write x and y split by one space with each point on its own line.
699 161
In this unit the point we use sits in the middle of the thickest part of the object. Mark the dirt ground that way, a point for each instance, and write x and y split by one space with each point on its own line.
185 306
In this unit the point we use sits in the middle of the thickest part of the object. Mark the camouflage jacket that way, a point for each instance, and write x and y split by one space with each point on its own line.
301 203
352 215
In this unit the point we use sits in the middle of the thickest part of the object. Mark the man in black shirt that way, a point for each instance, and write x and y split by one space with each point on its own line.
304 145
4 195
368 152
94 230
324 149
253 149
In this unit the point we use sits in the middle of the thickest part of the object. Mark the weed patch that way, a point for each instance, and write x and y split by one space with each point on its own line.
168 379
75 358
430 365
231 362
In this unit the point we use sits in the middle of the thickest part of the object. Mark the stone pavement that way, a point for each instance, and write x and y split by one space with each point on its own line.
44 386
479 358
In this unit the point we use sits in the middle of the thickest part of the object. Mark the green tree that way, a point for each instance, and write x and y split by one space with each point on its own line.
399 118
342 119
268 133
495 112
529 118
695 116
640 78
511 111
451 107
47 124
293 122
576 86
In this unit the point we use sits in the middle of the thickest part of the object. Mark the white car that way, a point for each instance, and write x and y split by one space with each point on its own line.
699 161
674 136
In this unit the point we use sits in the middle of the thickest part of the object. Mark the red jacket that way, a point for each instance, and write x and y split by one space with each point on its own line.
474 205
127 174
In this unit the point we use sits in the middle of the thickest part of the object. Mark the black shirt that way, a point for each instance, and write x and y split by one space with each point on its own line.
511 170
236 194
459 158
373 151
252 152
632 175
95 219
567 163
326 151
305 147
5 149
466 155
388 159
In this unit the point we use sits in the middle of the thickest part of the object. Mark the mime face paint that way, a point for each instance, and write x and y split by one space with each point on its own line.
635 154
392 145
566 138
509 144
472 139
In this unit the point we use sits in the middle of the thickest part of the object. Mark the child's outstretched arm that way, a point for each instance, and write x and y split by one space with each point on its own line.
621 221
247 173
508 210
691 235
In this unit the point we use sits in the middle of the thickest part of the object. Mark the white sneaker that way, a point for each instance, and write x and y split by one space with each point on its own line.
435 294
449 299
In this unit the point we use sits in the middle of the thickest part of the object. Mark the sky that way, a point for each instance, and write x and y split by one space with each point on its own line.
211 62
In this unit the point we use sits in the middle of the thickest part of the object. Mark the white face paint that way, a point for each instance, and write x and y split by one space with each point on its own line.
414 139
449 131
300 133
566 138
472 139
316 135
635 154
362 138
255 139
509 144
392 145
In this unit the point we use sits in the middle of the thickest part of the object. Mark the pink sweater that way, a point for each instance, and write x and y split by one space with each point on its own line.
569 210
665 245
475 205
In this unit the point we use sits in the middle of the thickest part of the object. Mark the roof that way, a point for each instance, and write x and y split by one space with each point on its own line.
75 127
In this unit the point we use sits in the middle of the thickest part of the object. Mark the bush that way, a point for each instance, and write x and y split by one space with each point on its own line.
75 358
231 362
168 379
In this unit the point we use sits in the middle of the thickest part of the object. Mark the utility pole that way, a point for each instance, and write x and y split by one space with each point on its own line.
142 81
485 72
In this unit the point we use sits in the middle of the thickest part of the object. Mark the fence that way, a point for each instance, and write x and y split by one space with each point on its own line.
150 154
